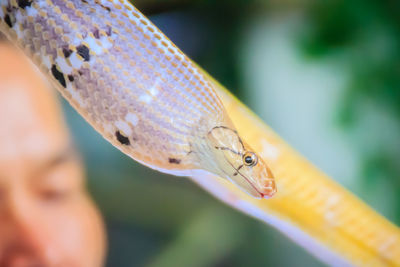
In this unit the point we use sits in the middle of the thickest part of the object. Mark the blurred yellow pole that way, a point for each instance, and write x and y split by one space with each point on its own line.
310 208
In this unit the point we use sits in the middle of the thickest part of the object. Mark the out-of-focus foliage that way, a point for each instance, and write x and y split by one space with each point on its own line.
368 34
324 74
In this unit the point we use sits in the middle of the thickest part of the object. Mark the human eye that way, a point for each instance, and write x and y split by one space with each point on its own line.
60 183
54 194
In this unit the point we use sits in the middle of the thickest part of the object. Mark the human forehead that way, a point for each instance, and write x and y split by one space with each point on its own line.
27 130
30 120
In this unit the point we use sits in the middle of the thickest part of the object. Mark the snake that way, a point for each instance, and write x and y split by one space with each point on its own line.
135 87
152 102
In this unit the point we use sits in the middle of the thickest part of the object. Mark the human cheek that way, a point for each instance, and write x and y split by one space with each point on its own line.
71 218
78 233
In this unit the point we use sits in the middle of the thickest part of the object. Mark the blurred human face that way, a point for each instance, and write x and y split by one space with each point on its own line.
46 216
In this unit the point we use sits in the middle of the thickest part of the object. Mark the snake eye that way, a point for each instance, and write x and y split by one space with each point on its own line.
250 159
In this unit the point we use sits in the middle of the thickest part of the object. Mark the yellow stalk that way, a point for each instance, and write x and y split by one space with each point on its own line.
309 207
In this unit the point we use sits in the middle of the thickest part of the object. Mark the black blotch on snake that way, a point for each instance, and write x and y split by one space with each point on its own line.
122 139
24 3
8 20
58 75
174 161
96 33
108 30
103 6
67 52
71 78
83 51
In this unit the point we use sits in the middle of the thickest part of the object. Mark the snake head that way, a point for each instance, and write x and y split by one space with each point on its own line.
237 162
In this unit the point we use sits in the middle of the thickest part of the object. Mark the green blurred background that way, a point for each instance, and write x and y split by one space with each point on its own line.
323 74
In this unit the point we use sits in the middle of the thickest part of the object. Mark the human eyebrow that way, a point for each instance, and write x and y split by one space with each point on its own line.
68 153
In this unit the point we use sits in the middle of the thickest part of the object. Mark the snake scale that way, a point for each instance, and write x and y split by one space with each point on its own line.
135 87
149 100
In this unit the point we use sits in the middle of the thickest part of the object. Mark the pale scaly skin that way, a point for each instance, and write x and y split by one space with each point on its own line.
310 208
134 87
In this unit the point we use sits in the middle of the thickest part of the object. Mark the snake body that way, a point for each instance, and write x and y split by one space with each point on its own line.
150 101
135 87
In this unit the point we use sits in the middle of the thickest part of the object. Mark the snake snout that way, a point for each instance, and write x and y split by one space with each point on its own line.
269 189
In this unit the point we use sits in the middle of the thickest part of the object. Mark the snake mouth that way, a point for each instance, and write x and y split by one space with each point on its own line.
254 192
260 194
270 191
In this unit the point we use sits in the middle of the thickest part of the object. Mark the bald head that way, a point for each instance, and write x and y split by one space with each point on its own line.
46 216
31 120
